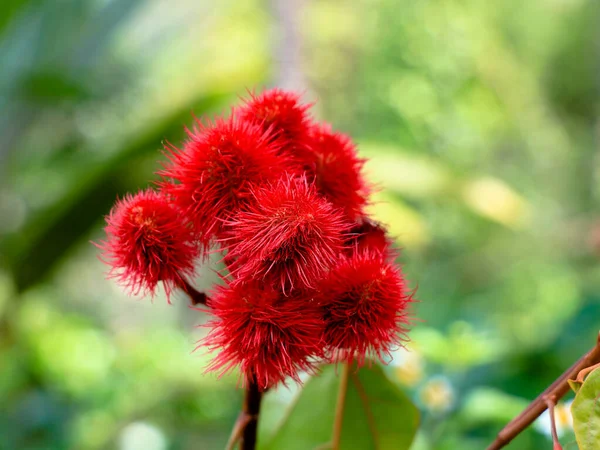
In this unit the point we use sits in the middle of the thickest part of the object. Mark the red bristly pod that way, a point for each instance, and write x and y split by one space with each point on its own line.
148 241
337 170
288 237
213 176
283 113
269 336
365 302
369 235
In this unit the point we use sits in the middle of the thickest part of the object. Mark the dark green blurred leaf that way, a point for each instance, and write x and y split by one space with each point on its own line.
377 414
32 253
51 87
11 8
586 413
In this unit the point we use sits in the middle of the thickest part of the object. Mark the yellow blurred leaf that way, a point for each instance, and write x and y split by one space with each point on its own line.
494 199
418 176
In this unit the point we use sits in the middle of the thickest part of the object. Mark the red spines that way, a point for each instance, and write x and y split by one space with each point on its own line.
269 336
288 237
337 170
148 241
215 172
365 301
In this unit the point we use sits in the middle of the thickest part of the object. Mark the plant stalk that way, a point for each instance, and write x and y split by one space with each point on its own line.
251 411
551 403
196 297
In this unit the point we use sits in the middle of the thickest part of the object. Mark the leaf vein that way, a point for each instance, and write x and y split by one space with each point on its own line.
364 398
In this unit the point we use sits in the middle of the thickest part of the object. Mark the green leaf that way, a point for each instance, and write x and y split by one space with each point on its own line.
50 87
377 414
586 412
574 385
11 8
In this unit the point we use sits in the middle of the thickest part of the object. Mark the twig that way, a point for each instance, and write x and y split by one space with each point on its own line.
556 390
238 429
196 297
339 407
551 403
250 410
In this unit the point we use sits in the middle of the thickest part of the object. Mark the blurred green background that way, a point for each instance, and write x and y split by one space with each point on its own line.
481 122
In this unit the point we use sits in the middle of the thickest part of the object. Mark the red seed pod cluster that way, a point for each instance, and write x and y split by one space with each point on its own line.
309 277
148 241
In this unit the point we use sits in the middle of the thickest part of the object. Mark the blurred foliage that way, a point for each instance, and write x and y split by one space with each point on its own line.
480 122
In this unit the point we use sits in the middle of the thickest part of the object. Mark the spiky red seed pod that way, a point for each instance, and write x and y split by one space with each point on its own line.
212 177
268 336
148 241
282 112
288 237
365 301
337 170
368 235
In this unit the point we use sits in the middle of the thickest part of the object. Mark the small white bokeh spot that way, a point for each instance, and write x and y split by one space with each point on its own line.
142 436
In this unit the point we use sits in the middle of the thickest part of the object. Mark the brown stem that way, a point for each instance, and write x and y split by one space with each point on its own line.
339 407
556 391
551 403
251 410
196 297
